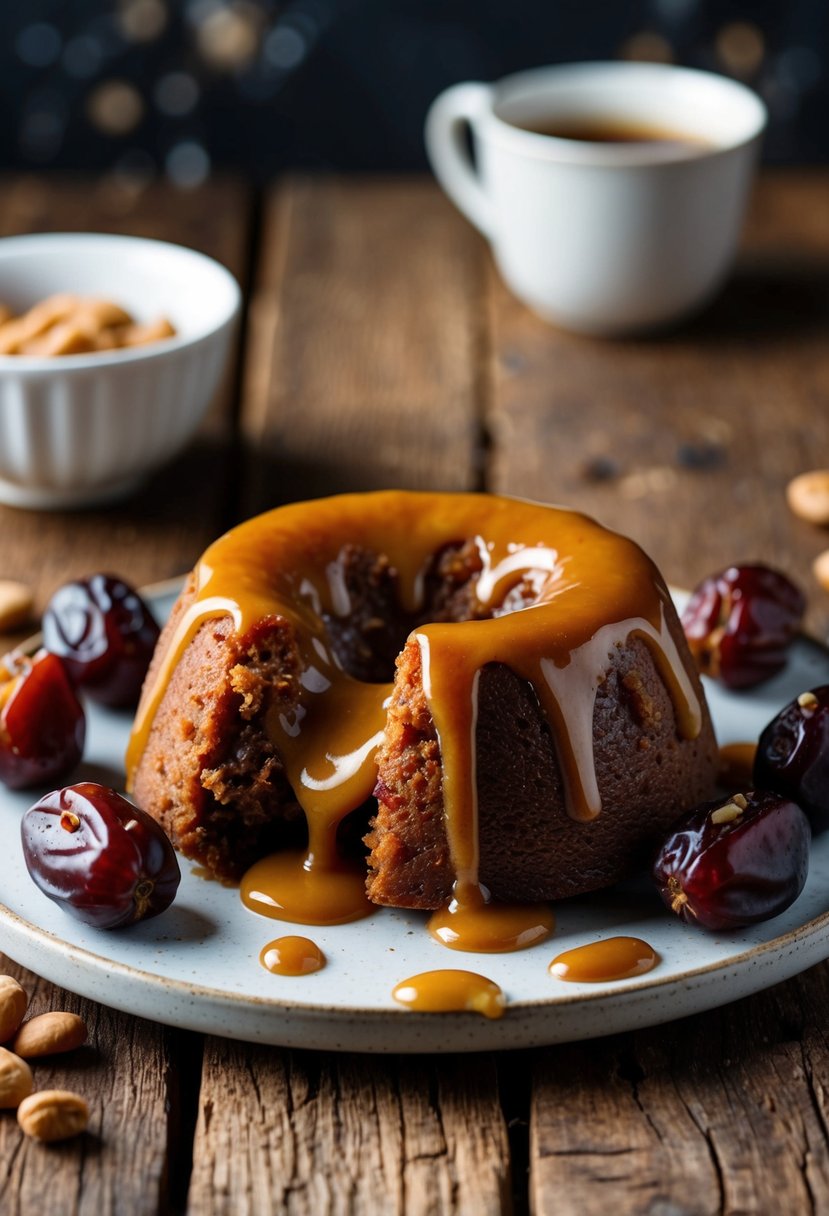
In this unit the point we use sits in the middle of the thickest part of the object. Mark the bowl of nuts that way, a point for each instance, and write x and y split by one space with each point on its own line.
111 349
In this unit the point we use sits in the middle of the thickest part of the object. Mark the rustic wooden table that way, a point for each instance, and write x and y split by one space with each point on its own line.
379 349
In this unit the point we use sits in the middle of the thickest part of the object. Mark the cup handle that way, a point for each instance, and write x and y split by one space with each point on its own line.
448 151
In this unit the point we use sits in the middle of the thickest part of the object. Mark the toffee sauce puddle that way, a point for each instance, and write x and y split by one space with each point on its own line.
292 956
615 958
451 991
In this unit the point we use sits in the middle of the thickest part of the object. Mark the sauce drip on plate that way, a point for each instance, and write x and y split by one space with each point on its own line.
451 992
615 958
292 956
476 925
286 886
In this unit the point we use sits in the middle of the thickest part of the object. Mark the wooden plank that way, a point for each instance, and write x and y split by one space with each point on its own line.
699 429
308 1134
212 218
722 1113
594 1142
128 1076
160 531
366 332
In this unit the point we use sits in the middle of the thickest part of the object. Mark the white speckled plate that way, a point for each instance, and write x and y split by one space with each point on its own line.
196 966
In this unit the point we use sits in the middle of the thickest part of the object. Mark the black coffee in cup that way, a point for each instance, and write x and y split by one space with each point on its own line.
611 130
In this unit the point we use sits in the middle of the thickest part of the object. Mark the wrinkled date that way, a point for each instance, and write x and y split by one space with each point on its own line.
102 859
793 753
735 862
741 622
42 723
106 635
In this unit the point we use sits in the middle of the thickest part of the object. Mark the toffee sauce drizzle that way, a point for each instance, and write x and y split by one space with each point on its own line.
595 590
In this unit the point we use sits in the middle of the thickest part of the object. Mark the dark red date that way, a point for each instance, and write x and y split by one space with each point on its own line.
793 753
741 622
734 862
42 722
106 635
105 861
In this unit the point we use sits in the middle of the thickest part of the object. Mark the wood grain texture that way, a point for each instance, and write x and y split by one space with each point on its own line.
720 1114
160 531
211 218
310 1134
364 360
697 431
127 1073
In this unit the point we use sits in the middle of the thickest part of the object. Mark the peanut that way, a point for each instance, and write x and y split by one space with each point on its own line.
13 1003
16 602
16 332
820 567
141 335
69 325
49 1033
67 338
15 1080
103 314
808 496
53 1114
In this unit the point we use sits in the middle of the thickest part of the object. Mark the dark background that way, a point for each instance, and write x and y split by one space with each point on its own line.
181 87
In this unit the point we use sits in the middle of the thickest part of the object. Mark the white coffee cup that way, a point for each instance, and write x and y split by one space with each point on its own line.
601 237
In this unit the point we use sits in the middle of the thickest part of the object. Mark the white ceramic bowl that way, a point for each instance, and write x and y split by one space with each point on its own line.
80 429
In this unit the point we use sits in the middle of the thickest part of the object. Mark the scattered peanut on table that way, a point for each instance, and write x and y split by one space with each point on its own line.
16 602
820 567
13 1005
46 1115
53 1114
808 496
15 1080
48 1034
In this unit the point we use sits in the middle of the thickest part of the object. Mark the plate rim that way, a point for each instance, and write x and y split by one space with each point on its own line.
641 986
70 950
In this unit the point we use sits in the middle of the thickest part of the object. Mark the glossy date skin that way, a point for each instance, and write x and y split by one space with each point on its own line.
105 634
103 860
741 622
793 754
42 722
736 861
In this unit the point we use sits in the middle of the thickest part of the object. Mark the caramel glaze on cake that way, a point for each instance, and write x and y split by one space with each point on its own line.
545 722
